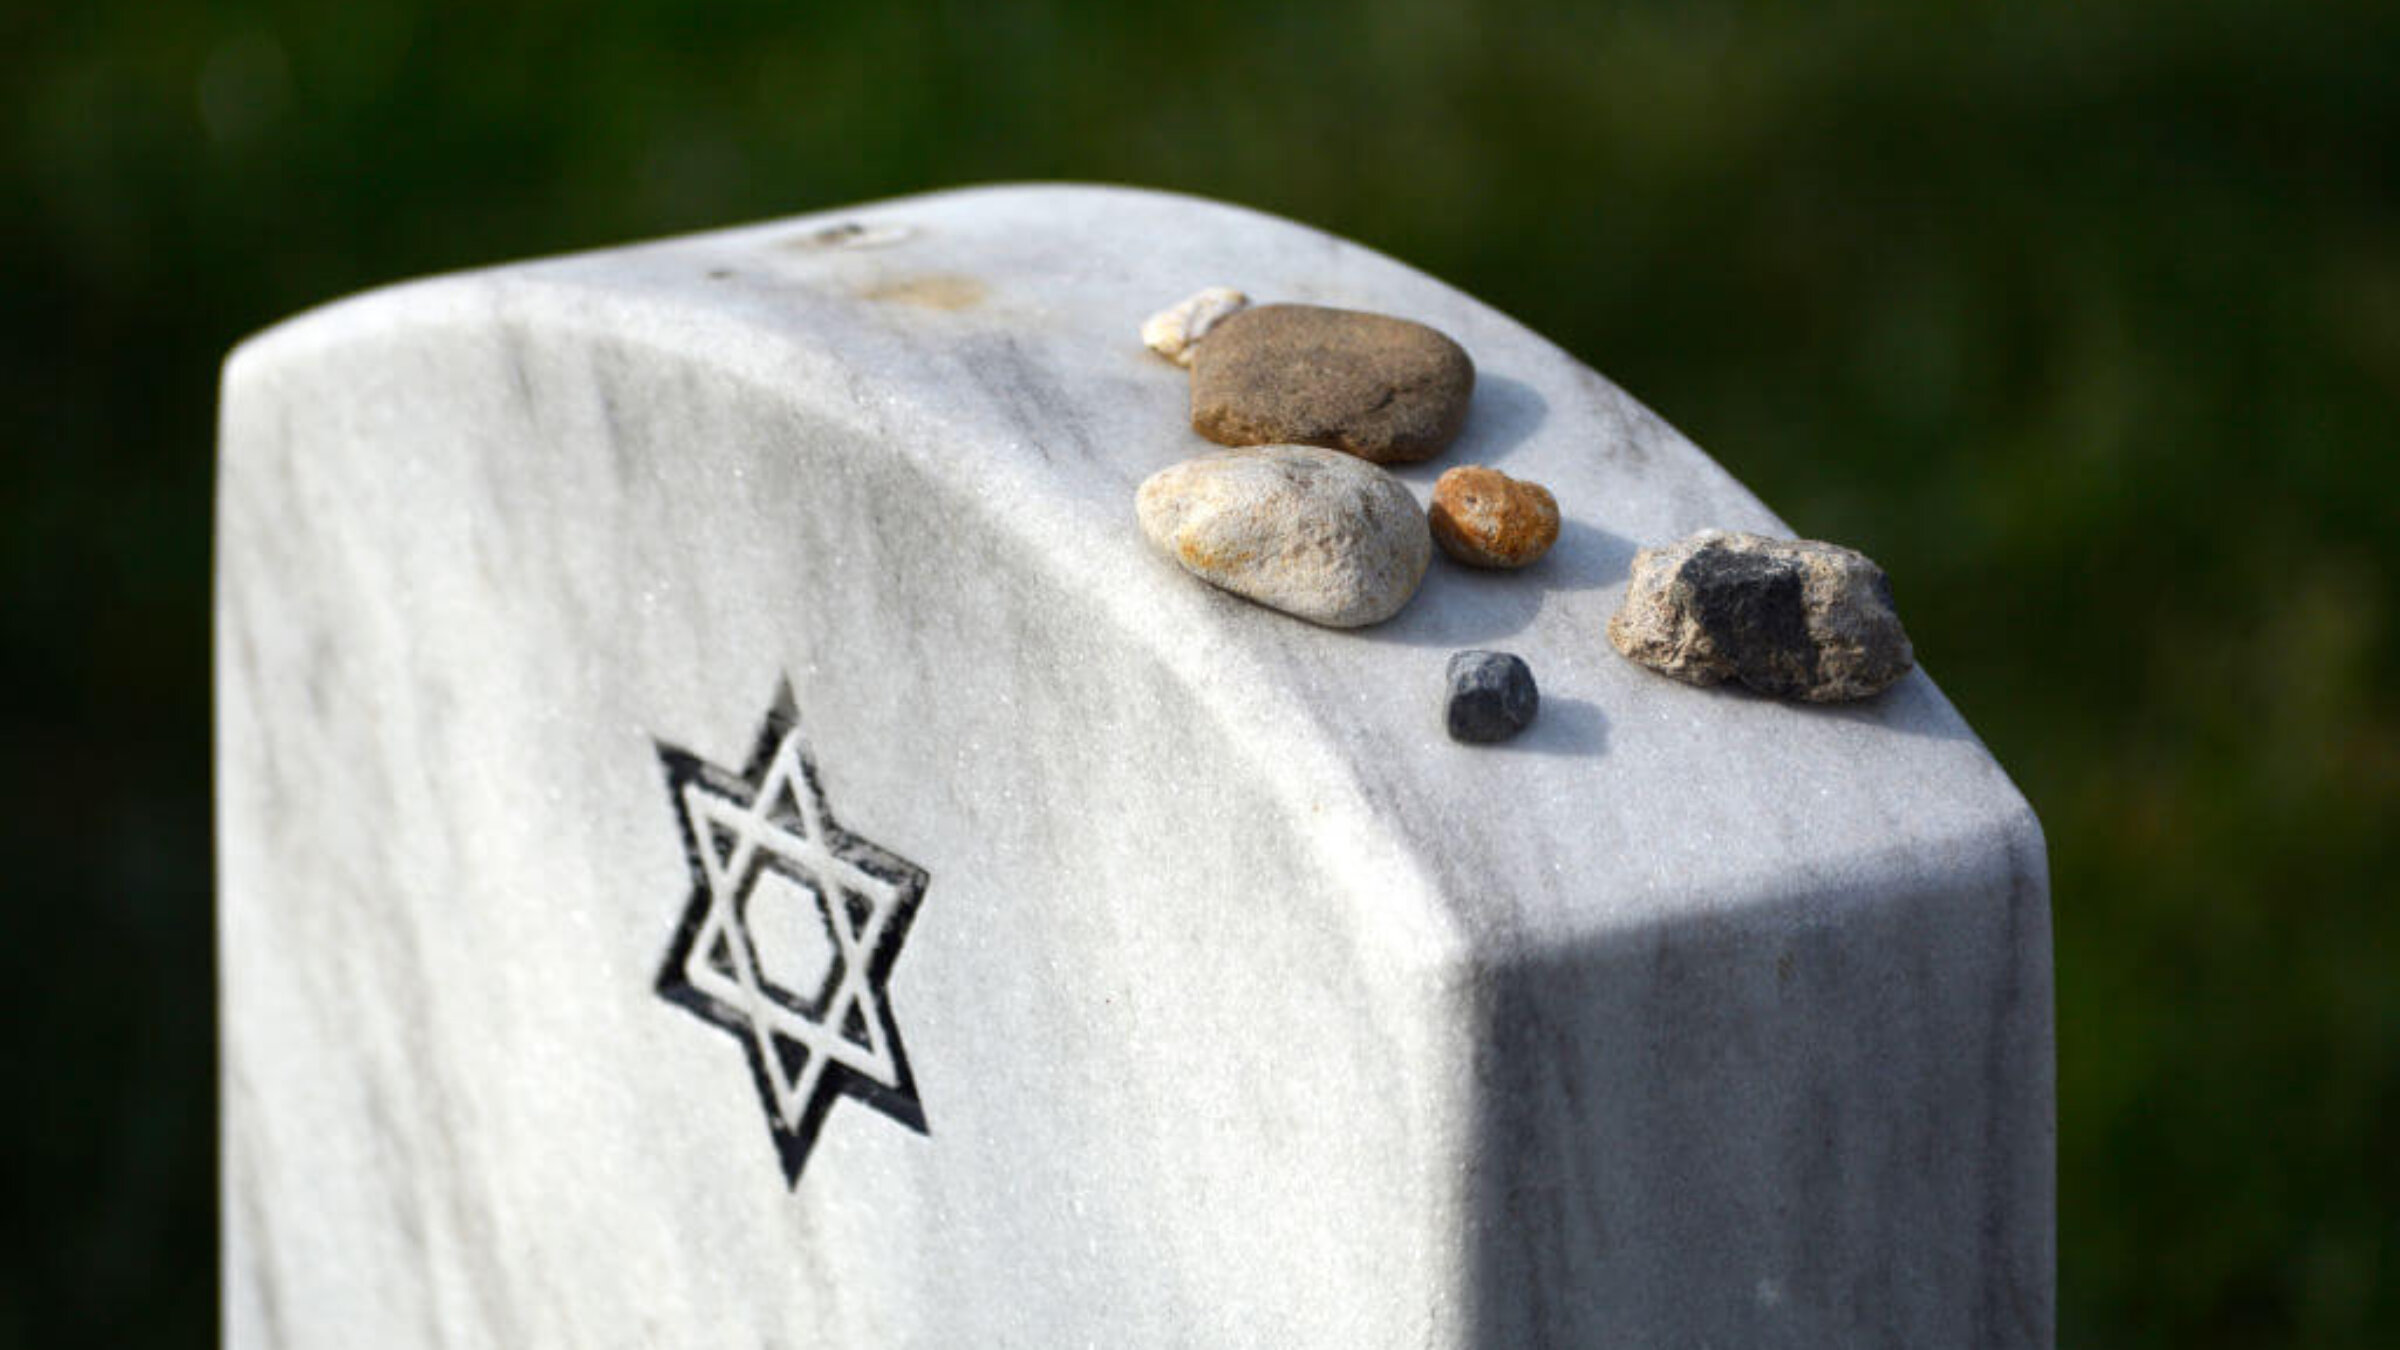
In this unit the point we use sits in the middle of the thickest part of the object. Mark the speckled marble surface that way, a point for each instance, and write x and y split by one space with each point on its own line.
1242 1006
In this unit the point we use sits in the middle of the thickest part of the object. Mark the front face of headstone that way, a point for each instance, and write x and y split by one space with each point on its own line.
728 836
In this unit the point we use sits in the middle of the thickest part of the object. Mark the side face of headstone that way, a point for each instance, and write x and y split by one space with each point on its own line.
729 835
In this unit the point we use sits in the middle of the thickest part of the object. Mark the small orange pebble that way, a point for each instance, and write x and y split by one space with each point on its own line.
1484 518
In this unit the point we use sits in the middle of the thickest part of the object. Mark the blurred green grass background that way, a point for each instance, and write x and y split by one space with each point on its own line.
2084 319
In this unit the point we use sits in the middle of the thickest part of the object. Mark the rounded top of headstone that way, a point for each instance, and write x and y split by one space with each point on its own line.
980 341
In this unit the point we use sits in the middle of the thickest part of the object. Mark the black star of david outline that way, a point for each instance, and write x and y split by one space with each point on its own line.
805 1050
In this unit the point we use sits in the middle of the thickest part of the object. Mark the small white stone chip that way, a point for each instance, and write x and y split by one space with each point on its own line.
1173 331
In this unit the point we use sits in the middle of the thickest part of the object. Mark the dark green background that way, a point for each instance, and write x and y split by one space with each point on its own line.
2083 319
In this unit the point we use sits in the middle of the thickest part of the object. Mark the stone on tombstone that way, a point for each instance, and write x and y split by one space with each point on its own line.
1492 696
730 834
1377 386
1305 530
1484 518
1795 618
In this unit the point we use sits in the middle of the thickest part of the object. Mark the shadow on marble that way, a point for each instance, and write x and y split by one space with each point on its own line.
1912 707
1821 1120
1909 708
1464 606
1503 414
1570 727
1585 557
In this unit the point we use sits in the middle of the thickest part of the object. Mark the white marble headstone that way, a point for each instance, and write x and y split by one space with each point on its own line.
730 836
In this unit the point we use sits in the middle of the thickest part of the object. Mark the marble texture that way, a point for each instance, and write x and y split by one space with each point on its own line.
1243 1007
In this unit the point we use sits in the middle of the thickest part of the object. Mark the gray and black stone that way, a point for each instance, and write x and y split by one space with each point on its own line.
1492 696
1796 619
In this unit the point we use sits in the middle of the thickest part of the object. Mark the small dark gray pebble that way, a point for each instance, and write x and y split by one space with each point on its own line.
1492 696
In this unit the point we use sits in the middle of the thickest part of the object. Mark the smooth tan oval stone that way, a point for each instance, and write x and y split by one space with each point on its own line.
1370 385
1308 531
1484 518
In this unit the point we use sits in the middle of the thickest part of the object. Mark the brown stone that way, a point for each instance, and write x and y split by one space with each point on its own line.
1370 385
1484 518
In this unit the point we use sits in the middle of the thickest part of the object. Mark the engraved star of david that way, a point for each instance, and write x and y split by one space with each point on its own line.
764 848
